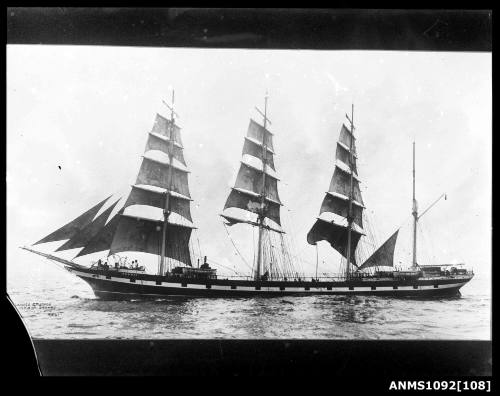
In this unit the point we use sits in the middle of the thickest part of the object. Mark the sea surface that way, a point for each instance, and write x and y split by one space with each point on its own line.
55 304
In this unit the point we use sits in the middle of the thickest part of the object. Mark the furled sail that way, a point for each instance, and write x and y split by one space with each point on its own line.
256 186
69 230
384 255
231 220
334 228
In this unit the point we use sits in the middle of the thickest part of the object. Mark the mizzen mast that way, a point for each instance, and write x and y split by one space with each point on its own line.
415 216
340 220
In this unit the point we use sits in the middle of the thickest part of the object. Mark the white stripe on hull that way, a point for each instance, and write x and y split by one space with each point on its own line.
272 289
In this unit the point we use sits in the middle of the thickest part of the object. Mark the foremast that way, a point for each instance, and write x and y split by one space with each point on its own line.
160 195
261 215
350 217
166 209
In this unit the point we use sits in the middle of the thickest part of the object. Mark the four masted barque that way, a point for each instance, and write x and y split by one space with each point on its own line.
156 219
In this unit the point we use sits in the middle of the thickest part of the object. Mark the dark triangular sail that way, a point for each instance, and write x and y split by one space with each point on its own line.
81 238
69 230
253 191
332 225
384 255
102 240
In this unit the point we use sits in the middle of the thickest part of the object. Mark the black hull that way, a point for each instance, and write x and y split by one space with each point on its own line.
119 293
120 286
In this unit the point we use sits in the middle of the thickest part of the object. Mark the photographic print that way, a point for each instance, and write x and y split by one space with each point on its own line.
250 191
241 193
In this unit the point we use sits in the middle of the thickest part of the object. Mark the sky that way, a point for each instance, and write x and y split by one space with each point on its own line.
78 118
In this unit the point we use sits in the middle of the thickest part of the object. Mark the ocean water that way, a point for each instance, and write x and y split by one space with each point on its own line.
55 304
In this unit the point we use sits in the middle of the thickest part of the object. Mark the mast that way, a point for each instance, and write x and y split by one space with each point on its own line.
166 209
415 216
350 218
340 220
317 261
261 216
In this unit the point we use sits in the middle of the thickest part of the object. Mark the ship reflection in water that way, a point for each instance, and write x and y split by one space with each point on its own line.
54 310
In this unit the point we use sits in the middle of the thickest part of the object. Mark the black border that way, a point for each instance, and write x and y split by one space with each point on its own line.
271 28
325 29
380 359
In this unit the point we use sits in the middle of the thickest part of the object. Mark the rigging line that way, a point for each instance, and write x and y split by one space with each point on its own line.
287 251
253 248
429 257
289 266
281 259
292 262
199 247
292 235
235 247
372 234
224 266
427 241
59 265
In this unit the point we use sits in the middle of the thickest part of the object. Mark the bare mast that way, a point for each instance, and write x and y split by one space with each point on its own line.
263 193
415 216
166 209
350 218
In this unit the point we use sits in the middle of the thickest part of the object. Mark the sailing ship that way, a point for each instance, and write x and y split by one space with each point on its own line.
156 219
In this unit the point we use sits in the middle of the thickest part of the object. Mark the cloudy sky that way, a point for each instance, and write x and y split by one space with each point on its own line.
87 110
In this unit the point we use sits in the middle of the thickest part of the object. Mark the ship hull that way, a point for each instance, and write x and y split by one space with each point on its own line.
121 286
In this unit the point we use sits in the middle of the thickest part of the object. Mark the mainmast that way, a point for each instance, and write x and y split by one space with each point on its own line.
415 216
350 217
256 189
261 215
166 209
